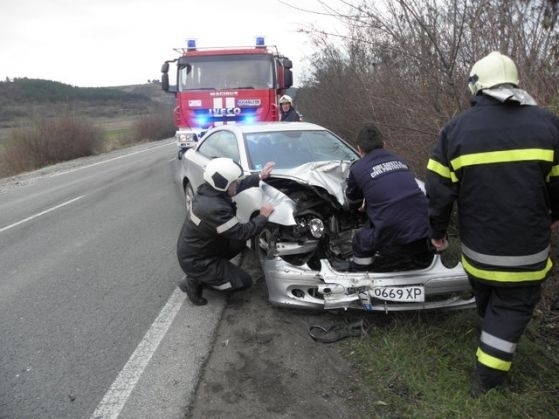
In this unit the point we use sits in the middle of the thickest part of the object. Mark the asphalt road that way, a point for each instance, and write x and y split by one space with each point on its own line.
92 324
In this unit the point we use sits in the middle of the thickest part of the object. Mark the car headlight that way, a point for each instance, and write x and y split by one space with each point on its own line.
316 228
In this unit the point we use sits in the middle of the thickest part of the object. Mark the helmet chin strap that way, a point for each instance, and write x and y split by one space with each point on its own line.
504 93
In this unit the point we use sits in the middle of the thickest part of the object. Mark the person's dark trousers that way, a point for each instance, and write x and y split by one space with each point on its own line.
223 275
504 313
220 274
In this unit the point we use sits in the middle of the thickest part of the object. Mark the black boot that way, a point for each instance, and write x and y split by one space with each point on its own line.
193 290
486 379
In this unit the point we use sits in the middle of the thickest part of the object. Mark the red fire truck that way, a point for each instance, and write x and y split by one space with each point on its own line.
225 85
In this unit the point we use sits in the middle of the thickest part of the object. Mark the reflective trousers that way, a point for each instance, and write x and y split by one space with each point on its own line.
218 272
504 313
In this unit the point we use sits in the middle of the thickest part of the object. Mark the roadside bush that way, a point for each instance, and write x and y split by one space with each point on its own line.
155 126
49 141
405 65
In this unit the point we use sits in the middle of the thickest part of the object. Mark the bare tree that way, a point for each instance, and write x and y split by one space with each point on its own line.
404 63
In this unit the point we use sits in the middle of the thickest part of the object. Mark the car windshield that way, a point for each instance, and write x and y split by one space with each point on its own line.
225 72
294 148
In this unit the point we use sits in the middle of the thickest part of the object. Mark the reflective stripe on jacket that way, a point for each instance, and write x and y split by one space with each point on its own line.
211 223
499 162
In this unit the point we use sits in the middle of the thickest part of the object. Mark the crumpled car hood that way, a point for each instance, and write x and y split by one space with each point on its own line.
329 175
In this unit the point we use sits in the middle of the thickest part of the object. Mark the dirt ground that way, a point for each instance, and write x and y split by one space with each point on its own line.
264 364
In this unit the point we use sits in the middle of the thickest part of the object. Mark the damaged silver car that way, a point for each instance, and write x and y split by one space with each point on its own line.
305 248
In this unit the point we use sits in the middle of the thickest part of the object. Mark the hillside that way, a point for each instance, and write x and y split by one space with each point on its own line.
24 90
150 90
24 99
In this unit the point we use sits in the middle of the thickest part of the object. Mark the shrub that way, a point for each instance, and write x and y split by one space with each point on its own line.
155 126
49 141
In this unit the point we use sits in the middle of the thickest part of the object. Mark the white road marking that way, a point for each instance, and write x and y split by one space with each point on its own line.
114 400
108 160
40 213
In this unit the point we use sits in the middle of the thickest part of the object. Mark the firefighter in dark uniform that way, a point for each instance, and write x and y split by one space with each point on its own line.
498 161
396 207
212 235
288 111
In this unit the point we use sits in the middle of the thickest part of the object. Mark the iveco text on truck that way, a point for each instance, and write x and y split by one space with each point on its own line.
224 85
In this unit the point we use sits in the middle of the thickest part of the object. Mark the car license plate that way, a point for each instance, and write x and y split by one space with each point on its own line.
402 294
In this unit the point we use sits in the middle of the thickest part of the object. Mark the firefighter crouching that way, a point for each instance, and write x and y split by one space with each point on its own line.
212 235
499 161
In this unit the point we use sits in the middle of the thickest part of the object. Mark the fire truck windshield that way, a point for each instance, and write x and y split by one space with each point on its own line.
225 72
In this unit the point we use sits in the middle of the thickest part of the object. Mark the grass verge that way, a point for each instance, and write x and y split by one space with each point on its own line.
419 365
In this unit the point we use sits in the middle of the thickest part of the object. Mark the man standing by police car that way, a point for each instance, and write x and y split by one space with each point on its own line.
499 161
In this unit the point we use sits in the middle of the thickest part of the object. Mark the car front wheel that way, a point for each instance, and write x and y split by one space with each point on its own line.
188 197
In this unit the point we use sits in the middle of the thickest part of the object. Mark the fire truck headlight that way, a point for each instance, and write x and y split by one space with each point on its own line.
186 136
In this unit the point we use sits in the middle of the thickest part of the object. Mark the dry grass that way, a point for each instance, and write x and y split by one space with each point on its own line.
49 141
46 141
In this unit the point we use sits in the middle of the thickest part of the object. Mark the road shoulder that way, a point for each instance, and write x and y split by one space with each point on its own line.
167 386
264 364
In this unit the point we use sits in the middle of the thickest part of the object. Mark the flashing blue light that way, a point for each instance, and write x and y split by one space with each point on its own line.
201 121
191 43
260 41
249 119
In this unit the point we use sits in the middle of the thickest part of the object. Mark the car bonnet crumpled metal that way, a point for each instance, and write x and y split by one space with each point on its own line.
329 175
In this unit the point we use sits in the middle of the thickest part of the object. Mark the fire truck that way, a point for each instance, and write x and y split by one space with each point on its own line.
225 85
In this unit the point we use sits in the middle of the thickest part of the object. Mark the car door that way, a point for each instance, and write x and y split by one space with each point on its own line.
221 143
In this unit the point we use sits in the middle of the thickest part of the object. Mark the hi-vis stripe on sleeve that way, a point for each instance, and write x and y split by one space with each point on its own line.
226 226
196 220
504 156
441 170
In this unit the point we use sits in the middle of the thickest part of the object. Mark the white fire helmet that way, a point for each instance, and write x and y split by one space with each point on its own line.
286 99
221 172
492 70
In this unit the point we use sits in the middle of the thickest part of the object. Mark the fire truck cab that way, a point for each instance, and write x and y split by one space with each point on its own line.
225 85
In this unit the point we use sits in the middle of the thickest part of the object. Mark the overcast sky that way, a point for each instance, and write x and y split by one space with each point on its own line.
94 43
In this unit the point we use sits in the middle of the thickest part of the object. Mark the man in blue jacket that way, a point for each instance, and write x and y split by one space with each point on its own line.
395 205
